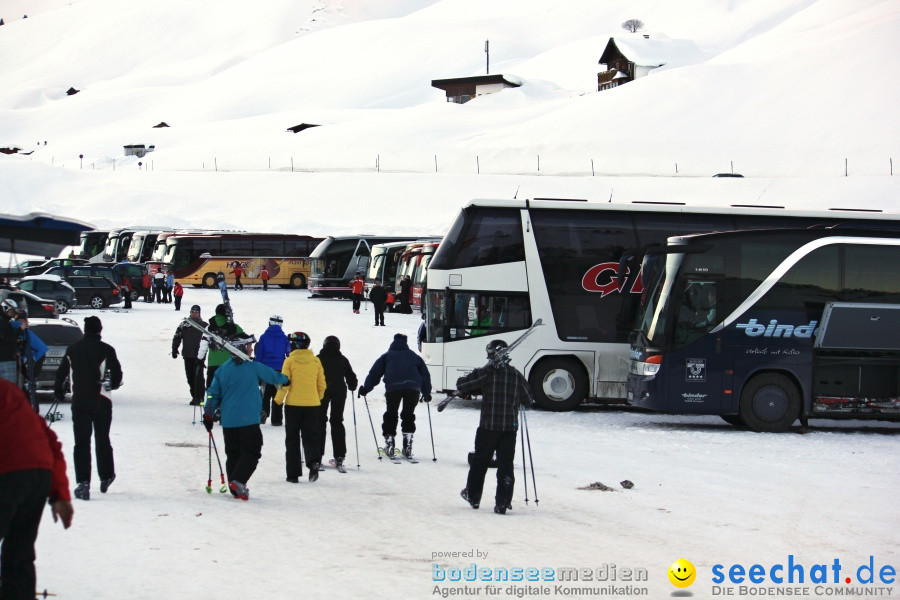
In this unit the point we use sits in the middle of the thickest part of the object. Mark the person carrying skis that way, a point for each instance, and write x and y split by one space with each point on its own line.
91 410
405 378
378 296
339 377
302 398
271 350
193 351
504 390
32 473
235 392
219 325
357 286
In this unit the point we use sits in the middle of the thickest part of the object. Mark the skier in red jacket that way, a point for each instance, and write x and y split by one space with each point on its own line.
32 469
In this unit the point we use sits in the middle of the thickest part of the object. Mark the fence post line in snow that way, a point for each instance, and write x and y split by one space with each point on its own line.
846 166
477 165
435 163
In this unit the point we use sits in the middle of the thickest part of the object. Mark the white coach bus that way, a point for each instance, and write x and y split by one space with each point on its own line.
575 265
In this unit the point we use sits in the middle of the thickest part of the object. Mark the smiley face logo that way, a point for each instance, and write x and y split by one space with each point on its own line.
682 573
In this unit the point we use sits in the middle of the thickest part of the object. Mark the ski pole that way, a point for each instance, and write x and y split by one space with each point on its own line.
374 437
209 479
224 487
524 472
530 457
355 435
431 431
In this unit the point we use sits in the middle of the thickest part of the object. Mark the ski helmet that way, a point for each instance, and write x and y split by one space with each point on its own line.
8 305
495 348
276 320
331 343
299 340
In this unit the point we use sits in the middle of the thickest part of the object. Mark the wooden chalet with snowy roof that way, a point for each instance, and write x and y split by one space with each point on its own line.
629 58
463 89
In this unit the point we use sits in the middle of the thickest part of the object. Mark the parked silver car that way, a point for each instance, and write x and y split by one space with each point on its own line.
50 287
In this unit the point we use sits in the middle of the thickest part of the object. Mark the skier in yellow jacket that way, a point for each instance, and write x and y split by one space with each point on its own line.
302 399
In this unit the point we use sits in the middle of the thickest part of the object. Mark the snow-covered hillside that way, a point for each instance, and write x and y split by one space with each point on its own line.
799 89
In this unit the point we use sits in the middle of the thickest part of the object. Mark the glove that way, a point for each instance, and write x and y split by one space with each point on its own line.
426 397
362 390
174 353
207 421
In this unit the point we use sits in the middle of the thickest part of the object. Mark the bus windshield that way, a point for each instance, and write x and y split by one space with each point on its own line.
658 274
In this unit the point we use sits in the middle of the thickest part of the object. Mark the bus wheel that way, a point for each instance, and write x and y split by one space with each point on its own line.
209 280
298 281
770 402
558 384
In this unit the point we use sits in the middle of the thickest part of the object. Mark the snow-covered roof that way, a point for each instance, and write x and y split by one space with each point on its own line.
654 52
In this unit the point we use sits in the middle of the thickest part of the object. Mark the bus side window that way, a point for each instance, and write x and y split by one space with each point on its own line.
697 313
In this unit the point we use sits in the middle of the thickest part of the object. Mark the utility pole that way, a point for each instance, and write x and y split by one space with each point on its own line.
487 54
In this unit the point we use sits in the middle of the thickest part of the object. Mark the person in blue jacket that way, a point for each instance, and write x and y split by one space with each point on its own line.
405 378
235 391
271 350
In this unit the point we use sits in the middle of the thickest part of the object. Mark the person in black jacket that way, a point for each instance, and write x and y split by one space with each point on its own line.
405 377
339 377
504 390
378 297
91 361
193 351
405 295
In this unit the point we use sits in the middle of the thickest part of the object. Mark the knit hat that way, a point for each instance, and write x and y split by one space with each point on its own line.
196 307
220 310
400 337
92 325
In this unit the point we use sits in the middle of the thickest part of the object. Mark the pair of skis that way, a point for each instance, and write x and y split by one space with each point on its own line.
397 459
497 359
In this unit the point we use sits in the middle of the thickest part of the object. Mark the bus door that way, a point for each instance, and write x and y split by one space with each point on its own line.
697 359
359 263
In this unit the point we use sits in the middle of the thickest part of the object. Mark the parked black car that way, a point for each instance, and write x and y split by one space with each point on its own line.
96 292
50 287
85 270
34 307
58 334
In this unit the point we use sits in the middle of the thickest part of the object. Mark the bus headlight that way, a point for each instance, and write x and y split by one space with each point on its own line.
648 367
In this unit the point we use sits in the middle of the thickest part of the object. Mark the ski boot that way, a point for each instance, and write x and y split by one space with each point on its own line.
407 445
239 490
314 472
389 447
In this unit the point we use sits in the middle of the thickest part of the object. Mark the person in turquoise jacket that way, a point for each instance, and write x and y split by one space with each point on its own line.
235 392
